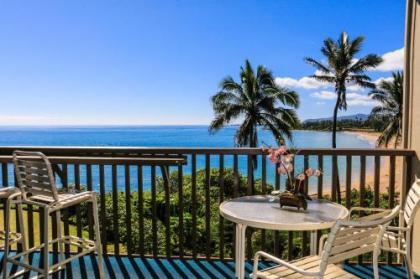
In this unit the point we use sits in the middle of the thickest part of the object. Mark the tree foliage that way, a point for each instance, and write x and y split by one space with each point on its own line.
255 101
187 231
390 96
343 69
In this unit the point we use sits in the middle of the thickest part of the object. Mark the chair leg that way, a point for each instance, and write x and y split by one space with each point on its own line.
375 257
59 236
22 231
46 246
409 267
97 237
6 237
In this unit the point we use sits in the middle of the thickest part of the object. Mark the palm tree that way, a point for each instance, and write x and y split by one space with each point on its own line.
390 96
343 69
255 101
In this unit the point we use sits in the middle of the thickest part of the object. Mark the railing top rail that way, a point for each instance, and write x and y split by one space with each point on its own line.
133 151
150 161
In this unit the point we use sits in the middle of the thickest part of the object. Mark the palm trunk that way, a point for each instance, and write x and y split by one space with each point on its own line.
336 187
334 128
253 143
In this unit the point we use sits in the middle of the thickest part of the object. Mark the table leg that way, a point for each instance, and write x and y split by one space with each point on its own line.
240 251
314 243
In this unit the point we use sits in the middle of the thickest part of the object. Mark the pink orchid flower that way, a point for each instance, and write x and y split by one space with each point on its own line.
288 158
281 150
273 158
301 177
281 169
309 172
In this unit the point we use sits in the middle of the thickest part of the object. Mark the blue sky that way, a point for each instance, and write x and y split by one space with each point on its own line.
159 62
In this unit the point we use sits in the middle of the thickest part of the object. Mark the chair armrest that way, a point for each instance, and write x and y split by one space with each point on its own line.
283 263
366 209
397 229
375 213
322 240
9 192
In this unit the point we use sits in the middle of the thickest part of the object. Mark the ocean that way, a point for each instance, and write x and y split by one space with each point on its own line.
174 136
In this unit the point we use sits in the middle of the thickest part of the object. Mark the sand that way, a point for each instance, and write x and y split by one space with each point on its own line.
384 182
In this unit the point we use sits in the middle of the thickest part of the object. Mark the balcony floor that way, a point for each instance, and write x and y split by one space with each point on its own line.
135 267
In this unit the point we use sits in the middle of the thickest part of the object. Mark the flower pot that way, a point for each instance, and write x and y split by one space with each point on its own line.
292 200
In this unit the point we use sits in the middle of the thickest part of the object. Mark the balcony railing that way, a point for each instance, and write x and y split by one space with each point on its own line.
143 212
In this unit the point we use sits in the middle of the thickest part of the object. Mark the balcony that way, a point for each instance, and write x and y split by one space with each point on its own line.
159 217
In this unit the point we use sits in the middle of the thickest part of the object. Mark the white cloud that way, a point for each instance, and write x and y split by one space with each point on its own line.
305 82
23 119
379 80
356 99
325 95
393 60
353 98
320 103
361 102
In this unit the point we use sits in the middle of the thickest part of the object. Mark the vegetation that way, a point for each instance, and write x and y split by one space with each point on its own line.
200 223
255 99
372 124
187 224
343 69
390 96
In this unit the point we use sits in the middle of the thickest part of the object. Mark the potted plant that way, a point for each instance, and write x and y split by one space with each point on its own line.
295 194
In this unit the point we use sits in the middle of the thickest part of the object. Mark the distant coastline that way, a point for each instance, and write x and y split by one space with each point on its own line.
371 136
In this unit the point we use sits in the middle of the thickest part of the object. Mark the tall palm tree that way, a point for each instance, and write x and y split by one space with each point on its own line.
390 96
255 101
343 69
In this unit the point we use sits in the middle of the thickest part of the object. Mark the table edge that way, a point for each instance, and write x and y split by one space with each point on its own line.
283 227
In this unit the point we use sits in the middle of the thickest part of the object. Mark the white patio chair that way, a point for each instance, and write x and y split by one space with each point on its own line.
398 239
36 182
9 194
347 239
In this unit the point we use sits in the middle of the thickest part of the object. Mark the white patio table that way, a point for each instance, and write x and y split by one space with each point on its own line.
260 212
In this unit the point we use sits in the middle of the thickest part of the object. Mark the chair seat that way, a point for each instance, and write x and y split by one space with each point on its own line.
64 199
310 263
390 242
13 238
6 192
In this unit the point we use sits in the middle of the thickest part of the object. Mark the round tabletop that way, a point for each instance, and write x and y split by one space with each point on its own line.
260 212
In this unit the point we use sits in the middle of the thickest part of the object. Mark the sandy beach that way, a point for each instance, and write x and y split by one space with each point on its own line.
384 173
369 136
385 163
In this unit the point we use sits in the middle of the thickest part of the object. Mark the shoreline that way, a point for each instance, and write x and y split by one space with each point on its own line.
384 174
372 137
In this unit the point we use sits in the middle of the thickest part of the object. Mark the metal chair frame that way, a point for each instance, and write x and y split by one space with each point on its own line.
8 237
346 240
398 239
36 182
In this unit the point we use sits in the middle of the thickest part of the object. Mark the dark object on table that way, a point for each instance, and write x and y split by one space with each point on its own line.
293 200
295 196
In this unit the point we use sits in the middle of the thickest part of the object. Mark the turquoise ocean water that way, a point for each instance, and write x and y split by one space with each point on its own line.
174 136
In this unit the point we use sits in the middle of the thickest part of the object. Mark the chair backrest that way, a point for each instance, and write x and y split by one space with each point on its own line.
412 203
348 239
34 175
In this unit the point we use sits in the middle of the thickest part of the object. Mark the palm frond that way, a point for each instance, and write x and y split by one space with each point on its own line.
318 65
365 63
390 96
324 78
258 100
